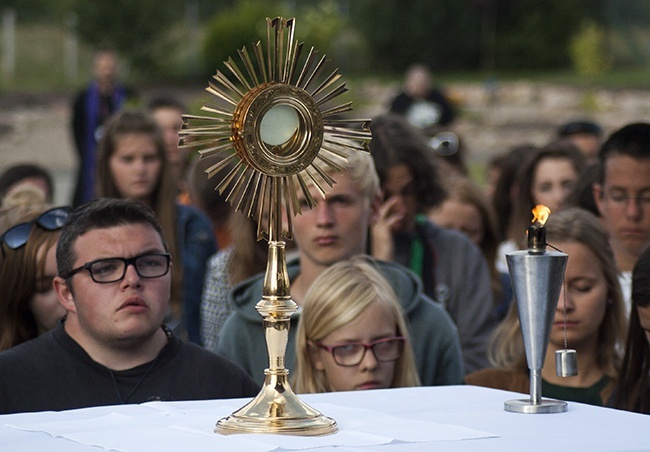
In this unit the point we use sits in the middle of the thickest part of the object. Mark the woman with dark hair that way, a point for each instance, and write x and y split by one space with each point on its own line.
506 185
442 258
132 163
468 210
547 177
632 391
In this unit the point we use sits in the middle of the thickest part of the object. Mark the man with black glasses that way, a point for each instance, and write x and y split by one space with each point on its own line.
112 348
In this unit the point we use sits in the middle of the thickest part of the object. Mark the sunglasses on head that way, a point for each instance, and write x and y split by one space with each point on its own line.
50 220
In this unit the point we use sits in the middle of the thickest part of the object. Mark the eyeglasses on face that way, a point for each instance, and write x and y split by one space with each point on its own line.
622 198
349 355
113 269
50 220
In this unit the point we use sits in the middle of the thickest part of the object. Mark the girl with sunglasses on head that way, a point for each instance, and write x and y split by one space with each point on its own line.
352 333
29 305
632 391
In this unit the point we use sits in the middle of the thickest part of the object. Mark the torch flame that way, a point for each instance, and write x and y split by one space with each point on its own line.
540 214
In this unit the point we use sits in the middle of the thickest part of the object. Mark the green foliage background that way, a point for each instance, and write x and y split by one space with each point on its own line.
179 40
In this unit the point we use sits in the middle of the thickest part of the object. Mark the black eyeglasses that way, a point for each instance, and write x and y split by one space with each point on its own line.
50 220
349 355
113 269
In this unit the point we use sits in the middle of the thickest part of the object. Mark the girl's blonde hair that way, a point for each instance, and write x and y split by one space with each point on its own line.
337 297
577 226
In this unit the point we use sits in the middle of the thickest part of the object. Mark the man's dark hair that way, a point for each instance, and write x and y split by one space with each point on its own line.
22 171
632 140
582 194
100 213
395 142
166 102
580 128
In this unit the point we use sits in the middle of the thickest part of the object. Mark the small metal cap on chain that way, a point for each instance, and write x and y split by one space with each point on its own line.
566 363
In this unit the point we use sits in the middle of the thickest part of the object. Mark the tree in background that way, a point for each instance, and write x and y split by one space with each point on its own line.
444 35
318 24
234 28
535 34
450 35
184 39
135 29
144 32
588 50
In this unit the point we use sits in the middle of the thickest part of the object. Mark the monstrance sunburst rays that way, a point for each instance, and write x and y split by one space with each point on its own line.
274 129
275 134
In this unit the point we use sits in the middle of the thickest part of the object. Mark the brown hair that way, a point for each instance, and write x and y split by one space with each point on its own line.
163 198
19 270
524 203
466 191
578 226
632 391
249 254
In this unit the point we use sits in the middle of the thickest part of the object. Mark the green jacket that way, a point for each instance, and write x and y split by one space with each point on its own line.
433 334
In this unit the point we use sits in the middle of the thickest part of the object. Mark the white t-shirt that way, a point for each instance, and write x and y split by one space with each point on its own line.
505 247
625 279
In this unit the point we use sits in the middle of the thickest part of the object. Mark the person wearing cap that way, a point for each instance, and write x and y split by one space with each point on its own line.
585 135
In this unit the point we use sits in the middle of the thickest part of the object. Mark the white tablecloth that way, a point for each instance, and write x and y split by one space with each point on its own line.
409 419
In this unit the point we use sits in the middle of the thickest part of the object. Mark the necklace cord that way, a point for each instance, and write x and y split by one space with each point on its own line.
564 313
123 401
135 388
566 345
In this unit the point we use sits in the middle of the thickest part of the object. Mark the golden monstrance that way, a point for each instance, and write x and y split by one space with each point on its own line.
277 132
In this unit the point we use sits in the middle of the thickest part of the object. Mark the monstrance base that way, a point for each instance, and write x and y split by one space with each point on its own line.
276 409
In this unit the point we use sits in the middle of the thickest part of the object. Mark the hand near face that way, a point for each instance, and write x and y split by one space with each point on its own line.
389 216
